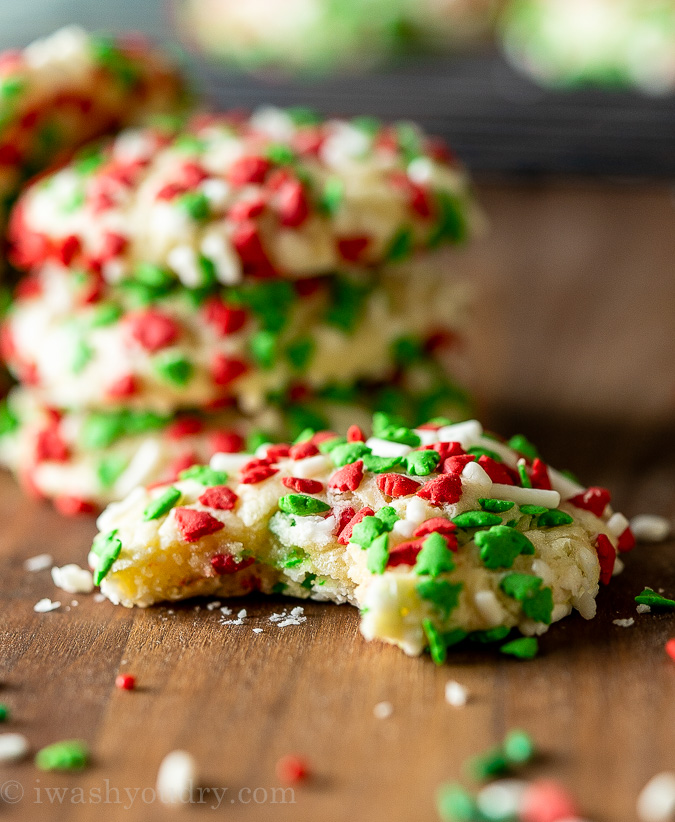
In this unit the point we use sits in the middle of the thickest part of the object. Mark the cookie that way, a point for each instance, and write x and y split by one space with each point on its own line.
277 195
150 343
437 534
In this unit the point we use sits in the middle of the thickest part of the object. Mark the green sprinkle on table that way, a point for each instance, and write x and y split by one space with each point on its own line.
69 755
523 648
4 712
654 600
519 747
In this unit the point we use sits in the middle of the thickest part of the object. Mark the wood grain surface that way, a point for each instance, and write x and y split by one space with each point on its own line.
600 699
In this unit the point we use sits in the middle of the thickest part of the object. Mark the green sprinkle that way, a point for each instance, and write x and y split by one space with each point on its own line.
83 356
492 635
442 594
9 422
401 246
380 465
378 554
110 468
280 154
454 804
369 125
279 587
654 600
477 519
367 531
308 582
408 350
69 755
105 314
525 480
204 475
539 606
523 648
435 557
174 368
521 444
303 116
388 516
301 505
421 463
154 277
346 302
163 504
304 436
349 452
488 765
501 545
294 558
437 646
300 352
263 348
537 602
452 224
4 712
107 548
484 452
327 446
553 518
382 421
255 439
196 203
496 506
519 748
400 434
520 586
101 430
533 510
332 196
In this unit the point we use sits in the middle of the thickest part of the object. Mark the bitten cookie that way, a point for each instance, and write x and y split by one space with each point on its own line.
437 534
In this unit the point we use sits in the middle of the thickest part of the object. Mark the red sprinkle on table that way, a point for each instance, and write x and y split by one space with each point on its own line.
547 801
194 525
292 769
670 648
125 682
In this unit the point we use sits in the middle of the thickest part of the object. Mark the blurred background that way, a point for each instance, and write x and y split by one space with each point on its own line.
564 110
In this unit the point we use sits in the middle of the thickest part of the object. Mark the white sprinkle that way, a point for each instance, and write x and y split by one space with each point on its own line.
101 598
242 614
526 496
643 609
383 710
73 579
456 694
565 486
39 562
420 170
213 605
462 432
501 799
385 448
228 462
257 630
624 623
45 605
477 475
176 778
617 524
656 802
13 747
74 602
650 528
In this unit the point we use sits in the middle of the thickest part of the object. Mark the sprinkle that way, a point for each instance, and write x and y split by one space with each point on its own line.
436 525
302 505
257 473
653 600
348 478
456 694
501 800
624 623
518 747
174 368
650 528
656 802
176 778
523 648
422 463
537 602
152 329
355 434
435 639
292 769
366 530
378 554
162 505
527 496
670 648
446 489
388 516
643 609
383 710
4 712
73 579
593 499
194 525
533 510
454 804
520 443
554 518
107 548
45 605
303 486
380 465
219 497
204 475
547 801
488 765
345 536
500 545
13 748
40 562
435 557
606 557
69 755
348 452
396 485
496 506
476 519
125 682
443 595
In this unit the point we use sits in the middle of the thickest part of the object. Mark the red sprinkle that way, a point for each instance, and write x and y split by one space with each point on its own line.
49 446
436 525
225 370
346 533
355 434
397 485
125 682
225 564
226 442
343 520
448 449
670 648
194 525
277 452
303 486
253 474
444 489
185 427
348 478
224 318
152 329
219 497
123 387
547 801
292 204
247 209
405 553
351 248
67 249
456 464
626 541
593 499
73 506
606 557
292 769
497 471
539 475
248 170
303 450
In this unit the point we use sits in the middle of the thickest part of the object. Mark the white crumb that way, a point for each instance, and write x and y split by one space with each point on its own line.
257 630
213 605
624 623
225 610
383 710
643 609
456 694
39 563
99 598
73 579
242 614
45 605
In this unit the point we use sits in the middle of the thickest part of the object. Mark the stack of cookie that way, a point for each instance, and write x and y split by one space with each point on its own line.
204 287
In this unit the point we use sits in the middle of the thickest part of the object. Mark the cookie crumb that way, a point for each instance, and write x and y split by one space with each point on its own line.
456 694
383 710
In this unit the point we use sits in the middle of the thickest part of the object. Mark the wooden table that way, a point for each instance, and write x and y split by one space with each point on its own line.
600 699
